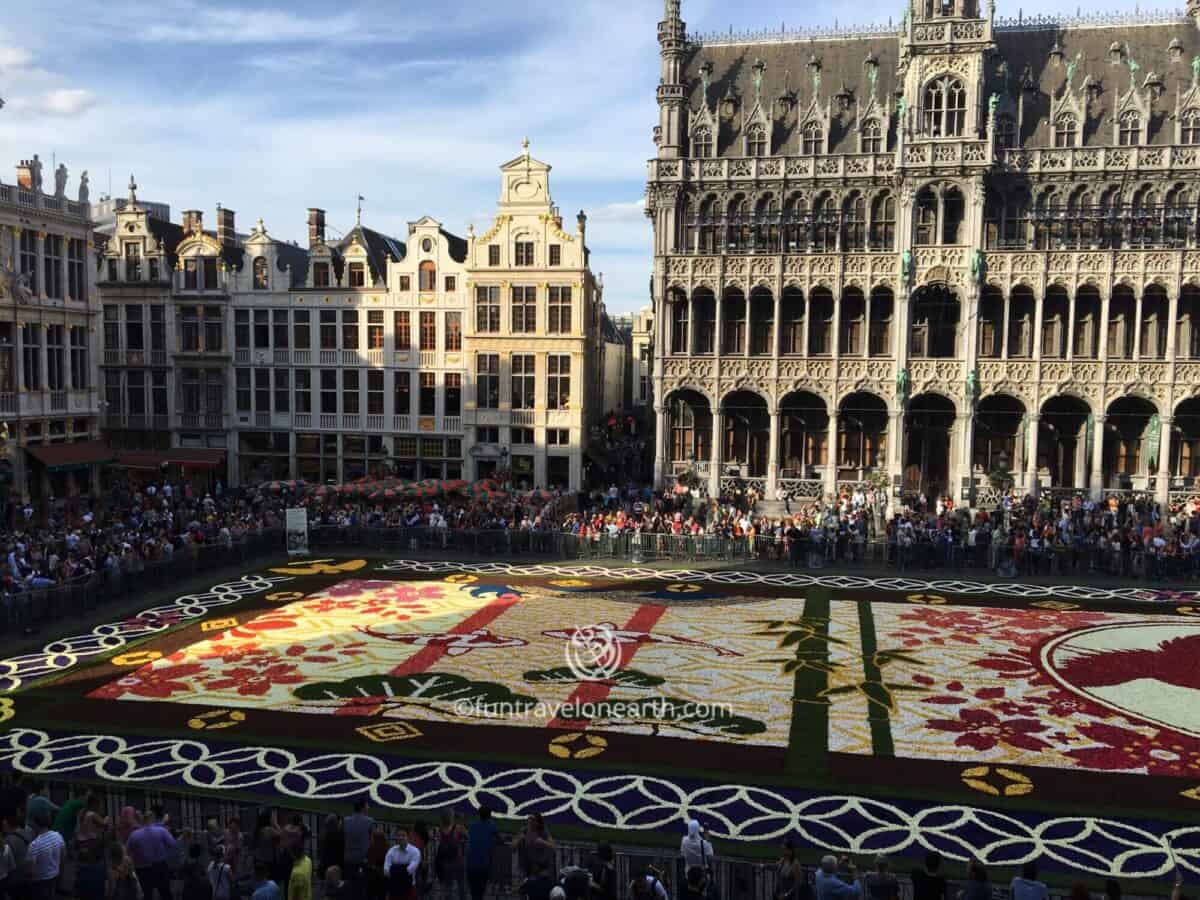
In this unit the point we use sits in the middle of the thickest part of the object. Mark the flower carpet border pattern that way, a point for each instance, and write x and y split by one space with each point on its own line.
1008 590
839 823
63 653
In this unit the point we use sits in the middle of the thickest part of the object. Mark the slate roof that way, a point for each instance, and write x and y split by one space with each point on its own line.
456 245
168 235
380 248
297 257
1025 47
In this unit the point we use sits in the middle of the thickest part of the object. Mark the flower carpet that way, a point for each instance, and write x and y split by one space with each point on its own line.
871 716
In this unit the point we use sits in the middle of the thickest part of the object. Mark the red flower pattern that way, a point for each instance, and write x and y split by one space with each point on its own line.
149 682
1123 749
981 729
252 681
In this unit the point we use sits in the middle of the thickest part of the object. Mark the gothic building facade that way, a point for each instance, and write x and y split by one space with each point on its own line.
948 254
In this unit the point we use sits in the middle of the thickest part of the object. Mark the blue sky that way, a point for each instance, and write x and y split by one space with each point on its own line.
271 108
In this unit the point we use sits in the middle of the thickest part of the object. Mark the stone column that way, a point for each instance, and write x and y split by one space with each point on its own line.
967 457
718 443
1035 333
1070 354
717 325
1081 461
690 339
776 333
1004 328
660 443
1137 328
1162 486
831 455
895 449
1031 456
1102 325
773 457
836 342
1098 458
749 326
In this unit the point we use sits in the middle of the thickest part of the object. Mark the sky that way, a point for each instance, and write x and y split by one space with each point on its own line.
271 107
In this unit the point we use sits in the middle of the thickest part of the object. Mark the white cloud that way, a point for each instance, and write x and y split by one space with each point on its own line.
14 57
268 26
67 101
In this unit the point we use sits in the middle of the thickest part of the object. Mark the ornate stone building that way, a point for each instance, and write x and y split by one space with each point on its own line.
49 443
533 341
960 247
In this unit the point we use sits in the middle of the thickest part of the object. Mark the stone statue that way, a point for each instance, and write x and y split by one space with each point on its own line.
83 187
972 385
906 265
873 77
993 102
1134 68
902 385
22 288
60 180
35 174
1072 66
977 265
900 107
1195 69
759 68
706 79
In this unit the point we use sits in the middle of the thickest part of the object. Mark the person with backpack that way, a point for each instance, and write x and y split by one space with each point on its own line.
449 860
400 868
647 886
221 875
16 843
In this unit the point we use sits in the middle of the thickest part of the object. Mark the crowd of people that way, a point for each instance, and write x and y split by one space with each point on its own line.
50 850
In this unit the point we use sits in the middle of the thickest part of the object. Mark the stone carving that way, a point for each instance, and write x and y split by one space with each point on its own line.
22 288
902 386
83 187
60 180
35 174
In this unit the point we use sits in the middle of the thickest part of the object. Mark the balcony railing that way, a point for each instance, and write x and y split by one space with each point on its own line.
262 420
112 357
158 357
428 359
350 421
375 422
327 357
283 357
374 358
772 167
329 421
301 357
523 417
826 232
1100 159
349 357
241 356
302 420
58 401
452 424
401 423
11 193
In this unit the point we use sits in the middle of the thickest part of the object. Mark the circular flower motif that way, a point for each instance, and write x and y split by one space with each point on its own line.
927 599
7 709
997 782
577 745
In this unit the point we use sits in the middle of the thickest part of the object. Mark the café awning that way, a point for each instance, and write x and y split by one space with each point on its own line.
184 457
72 457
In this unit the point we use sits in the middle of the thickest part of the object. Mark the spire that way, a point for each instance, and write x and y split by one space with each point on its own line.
525 148
132 191
671 11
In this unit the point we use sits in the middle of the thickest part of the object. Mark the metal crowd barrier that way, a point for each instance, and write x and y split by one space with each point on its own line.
737 878
30 609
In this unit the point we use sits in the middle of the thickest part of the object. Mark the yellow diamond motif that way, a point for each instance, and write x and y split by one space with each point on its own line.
1007 782
931 599
136 658
7 709
577 745
461 578
284 596
1191 793
385 732
321 567
219 624
1187 610
1060 605
216 719
683 588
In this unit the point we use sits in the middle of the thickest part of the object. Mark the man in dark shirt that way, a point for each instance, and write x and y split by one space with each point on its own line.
357 831
929 883
538 885
482 836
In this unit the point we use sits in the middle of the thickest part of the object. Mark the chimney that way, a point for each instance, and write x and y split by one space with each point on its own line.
316 226
225 230
193 220
25 174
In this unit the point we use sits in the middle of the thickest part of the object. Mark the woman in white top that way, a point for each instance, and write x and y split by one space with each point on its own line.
696 851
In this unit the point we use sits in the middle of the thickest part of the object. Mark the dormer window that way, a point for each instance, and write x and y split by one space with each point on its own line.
155 274
1129 131
260 273
320 274
702 144
524 253
756 141
191 275
945 108
871 139
1006 132
427 276
1189 131
812 141
356 274
1065 129
133 262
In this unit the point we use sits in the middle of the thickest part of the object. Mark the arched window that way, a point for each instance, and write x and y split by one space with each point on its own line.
260 273
756 141
702 144
854 223
1129 133
1189 131
1064 131
1006 132
945 108
871 138
952 216
883 222
812 139
926 231
1178 217
825 224
428 276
